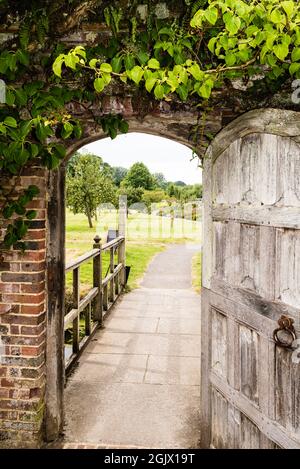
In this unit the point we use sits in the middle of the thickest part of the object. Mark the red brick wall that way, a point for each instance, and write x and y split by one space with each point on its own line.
22 328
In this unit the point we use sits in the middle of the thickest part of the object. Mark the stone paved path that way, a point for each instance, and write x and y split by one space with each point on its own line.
137 383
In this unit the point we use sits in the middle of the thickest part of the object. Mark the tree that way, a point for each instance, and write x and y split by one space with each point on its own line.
139 176
88 185
180 183
160 180
119 174
134 194
152 197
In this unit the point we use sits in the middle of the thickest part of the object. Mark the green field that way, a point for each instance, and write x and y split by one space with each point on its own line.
146 236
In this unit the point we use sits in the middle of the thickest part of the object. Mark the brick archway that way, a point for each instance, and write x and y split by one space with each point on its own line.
32 287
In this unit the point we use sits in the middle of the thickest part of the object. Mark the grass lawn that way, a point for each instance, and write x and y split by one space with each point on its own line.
196 272
146 236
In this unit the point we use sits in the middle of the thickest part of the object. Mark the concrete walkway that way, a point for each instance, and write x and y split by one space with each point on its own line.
137 383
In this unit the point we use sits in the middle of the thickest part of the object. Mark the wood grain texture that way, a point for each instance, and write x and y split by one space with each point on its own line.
252 217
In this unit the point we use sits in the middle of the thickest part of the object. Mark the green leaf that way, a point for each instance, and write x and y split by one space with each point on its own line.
71 61
23 57
296 54
136 74
116 64
67 130
276 17
34 149
106 68
288 7
159 91
196 21
294 68
22 157
205 89
20 210
150 82
99 84
212 44
154 64
57 65
211 15
60 150
8 211
196 72
31 214
230 60
21 97
10 98
232 23
10 122
281 51
183 92
123 126
33 191
129 62
25 128
143 57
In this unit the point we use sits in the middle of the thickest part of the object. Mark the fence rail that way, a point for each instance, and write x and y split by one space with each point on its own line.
98 301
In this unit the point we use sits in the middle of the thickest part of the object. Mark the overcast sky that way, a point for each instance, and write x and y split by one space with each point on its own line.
159 154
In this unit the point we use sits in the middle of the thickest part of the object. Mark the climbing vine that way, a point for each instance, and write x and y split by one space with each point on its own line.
183 58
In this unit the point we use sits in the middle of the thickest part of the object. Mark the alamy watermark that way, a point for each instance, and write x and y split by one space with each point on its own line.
296 92
2 92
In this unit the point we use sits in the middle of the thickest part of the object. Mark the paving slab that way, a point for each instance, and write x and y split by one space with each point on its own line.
137 384
144 415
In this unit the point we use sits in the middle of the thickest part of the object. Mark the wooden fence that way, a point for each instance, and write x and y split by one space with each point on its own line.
98 301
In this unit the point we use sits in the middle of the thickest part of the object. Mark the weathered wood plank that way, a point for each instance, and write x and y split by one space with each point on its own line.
55 366
266 121
249 363
257 312
205 408
219 341
268 427
267 215
76 301
219 420
207 249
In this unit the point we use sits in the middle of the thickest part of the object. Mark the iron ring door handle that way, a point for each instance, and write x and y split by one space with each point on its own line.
286 325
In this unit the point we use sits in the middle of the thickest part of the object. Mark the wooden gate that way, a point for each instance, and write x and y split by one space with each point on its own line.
251 276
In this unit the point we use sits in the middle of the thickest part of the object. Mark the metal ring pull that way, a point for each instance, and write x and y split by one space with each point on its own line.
286 325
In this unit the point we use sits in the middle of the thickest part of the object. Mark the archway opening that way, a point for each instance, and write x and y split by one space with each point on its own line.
151 333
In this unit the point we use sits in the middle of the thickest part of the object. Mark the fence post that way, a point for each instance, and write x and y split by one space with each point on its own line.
76 300
97 280
122 232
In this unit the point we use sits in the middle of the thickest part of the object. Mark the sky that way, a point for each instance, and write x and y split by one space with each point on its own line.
159 154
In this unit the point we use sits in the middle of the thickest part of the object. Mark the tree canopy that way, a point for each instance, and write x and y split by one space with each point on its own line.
139 176
88 185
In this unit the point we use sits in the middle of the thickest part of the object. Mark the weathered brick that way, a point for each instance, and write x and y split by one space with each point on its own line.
23 299
23 277
9 288
24 319
32 351
33 267
36 235
4 393
7 383
22 361
14 330
5 308
33 288
24 340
